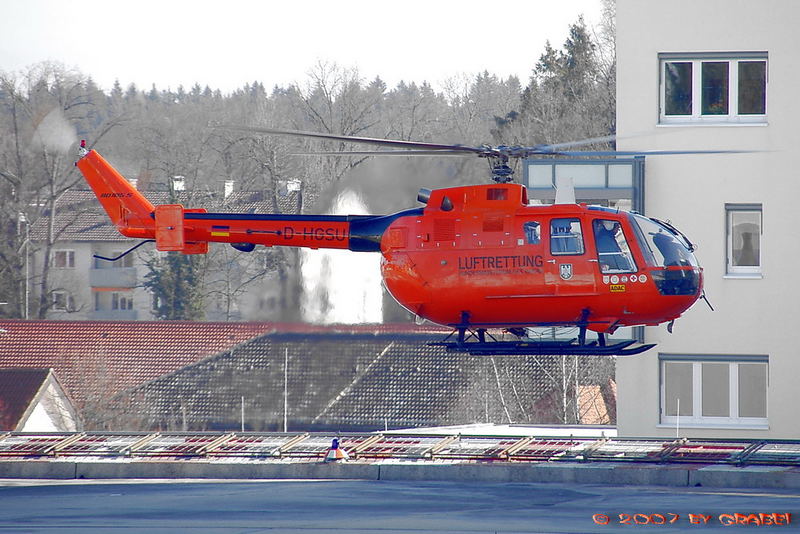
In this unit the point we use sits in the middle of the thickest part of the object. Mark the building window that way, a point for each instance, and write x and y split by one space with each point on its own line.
615 183
63 301
63 259
713 88
124 261
714 390
743 229
121 301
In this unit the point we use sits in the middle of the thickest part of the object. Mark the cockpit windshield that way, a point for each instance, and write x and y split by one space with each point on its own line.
666 248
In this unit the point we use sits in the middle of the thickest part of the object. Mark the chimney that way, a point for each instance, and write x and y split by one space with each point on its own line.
294 185
228 188
178 183
285 187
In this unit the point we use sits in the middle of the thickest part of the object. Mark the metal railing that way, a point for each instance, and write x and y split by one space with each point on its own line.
310 447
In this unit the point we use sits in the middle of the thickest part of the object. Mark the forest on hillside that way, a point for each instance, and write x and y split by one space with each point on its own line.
153 134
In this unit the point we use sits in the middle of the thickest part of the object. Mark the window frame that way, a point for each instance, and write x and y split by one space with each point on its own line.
623 246
741 271
69 258
581 240
121 300
125 262
697 60
697 419
67 298
532 232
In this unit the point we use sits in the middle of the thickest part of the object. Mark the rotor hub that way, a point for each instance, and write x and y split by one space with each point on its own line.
502 173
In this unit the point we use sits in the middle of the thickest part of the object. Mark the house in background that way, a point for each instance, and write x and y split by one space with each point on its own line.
173 375
717 75
96 360
32 400
363 378
83 287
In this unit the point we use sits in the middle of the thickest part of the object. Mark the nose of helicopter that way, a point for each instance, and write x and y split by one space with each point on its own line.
678 280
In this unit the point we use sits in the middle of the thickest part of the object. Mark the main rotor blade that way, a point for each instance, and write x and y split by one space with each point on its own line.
385 153
611 153
580 142
414 148
592 140
365 140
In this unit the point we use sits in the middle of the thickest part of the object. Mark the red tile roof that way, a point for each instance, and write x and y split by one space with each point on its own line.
349 381
97 359
102 357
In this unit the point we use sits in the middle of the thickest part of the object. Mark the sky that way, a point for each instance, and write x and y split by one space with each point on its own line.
225 44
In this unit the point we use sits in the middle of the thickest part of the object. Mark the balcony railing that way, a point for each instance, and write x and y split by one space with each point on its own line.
117 277
113 315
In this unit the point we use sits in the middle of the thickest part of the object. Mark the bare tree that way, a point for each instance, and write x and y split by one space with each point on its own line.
46 105
153 135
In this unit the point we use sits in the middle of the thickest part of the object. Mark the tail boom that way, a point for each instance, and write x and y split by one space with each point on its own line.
175 228
321 231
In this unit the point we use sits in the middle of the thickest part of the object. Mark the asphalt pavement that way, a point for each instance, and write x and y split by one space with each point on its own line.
385 507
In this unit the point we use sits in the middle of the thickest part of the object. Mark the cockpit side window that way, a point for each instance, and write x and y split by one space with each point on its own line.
566 237
613 253
533 232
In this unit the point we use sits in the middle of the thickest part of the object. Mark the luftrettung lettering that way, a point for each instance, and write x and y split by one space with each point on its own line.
469 263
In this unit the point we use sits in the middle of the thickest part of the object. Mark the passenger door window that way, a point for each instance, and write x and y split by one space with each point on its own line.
566 237
533 232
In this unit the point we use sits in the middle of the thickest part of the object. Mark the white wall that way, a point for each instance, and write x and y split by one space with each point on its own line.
76 280
752 316
51 413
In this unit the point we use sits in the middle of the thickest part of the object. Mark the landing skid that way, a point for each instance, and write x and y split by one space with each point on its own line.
475 340
549 348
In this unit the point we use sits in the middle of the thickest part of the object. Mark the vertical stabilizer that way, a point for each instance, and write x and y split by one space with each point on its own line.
128 209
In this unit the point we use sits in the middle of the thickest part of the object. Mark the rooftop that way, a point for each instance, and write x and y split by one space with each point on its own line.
176 375
100 358
348 380
18 388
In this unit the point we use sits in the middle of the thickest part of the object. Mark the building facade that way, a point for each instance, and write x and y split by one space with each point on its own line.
716 75
84 286
80 285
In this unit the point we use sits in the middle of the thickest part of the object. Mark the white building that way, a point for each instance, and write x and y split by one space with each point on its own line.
82 286
717 75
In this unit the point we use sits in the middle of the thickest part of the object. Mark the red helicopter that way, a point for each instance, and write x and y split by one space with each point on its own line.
476 258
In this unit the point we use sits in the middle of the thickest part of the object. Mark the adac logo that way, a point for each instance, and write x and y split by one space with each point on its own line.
565 269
